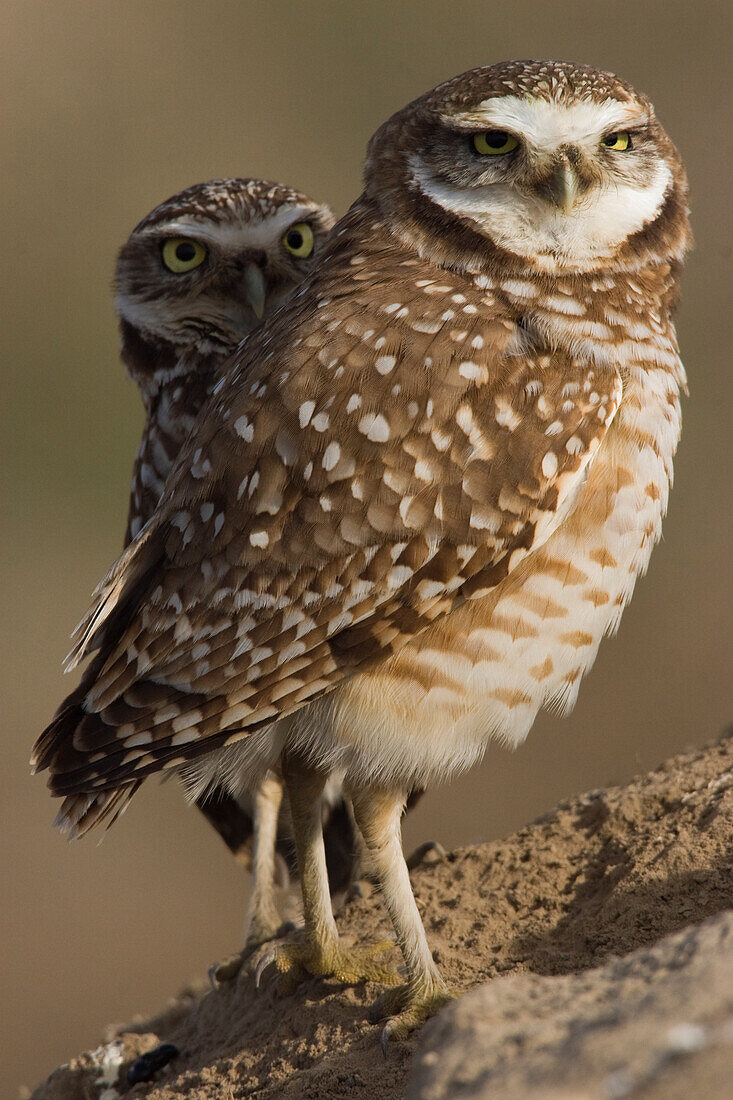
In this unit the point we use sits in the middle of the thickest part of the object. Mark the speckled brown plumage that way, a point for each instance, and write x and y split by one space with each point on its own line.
180 332
420 499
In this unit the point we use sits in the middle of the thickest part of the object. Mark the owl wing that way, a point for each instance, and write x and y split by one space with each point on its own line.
366 466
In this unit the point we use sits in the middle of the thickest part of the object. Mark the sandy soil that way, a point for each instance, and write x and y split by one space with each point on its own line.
651 1025
603 875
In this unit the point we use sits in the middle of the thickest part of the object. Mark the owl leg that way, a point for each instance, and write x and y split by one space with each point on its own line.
263 921
320 953
378 814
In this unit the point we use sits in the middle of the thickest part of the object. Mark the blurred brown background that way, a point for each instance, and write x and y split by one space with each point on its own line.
109 107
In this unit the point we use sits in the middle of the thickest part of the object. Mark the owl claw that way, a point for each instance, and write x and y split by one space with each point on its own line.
225 970
407 1010
263 963
384 1040
296 962
432 851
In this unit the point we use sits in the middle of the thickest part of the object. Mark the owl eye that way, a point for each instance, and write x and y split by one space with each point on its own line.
299 240
494 143
180 254
619 141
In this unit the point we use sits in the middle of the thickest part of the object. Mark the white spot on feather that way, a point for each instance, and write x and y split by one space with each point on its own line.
505 414
244 429
331 456
305 412
472 371
138 739
374 427
549 464
184 737
398 575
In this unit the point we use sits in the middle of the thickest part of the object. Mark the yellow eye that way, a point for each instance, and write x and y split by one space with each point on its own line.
619 141
181 254
494 143
299 240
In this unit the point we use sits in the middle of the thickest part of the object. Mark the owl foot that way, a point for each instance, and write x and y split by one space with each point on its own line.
226 970
407 1010
296 962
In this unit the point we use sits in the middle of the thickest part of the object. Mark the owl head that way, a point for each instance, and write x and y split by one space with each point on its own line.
205 266
550 165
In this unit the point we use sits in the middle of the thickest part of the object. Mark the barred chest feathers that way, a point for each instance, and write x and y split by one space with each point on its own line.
486 670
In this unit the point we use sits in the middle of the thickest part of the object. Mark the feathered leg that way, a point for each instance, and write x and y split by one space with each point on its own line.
320 953
263 921
378 814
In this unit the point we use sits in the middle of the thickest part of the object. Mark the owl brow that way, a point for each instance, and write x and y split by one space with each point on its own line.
538 121
173 229
465 125
639 130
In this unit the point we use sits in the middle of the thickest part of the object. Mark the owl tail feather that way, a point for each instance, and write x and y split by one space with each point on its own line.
81 812
54 749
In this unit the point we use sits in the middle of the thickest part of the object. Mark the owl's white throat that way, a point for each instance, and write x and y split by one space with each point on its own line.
529 226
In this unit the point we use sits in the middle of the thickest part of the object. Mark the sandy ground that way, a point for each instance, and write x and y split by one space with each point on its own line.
603 875
654 1024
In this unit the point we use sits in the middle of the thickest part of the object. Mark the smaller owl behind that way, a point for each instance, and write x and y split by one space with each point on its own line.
195 277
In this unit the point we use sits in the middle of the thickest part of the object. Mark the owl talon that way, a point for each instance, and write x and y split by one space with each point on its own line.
296 962
226 970
407 1010
263 963
229 968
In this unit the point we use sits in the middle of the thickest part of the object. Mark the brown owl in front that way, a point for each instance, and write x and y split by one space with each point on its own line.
418 500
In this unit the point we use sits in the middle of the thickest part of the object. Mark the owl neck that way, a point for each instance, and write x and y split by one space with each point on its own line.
615 294
612 317
453 242
157 364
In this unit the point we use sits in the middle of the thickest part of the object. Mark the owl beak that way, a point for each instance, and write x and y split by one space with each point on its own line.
255 289
563 186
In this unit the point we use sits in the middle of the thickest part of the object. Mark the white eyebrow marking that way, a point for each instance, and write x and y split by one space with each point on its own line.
545 125
260 232
526 224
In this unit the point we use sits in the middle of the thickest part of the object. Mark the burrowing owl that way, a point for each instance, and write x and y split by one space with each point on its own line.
195 277
419 499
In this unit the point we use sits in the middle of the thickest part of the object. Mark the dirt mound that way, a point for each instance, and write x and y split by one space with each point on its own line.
603 875
631 1026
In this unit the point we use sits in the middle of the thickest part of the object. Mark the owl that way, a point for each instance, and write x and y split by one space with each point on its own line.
196 276
418 499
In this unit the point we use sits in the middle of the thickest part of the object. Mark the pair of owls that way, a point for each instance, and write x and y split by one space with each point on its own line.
416 498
